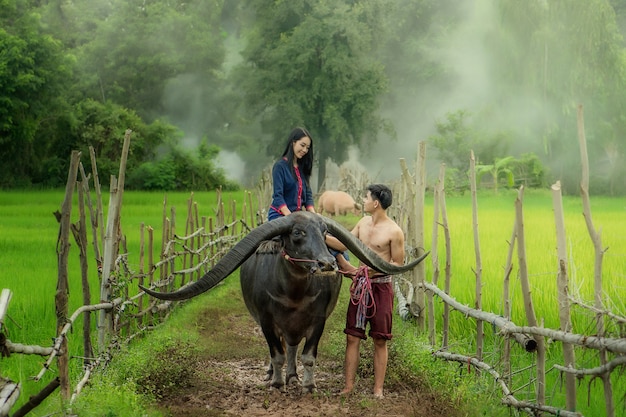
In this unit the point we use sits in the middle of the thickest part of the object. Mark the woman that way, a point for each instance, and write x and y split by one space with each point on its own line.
290 176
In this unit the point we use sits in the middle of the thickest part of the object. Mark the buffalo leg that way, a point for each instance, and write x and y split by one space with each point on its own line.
309 356
277 357
292 354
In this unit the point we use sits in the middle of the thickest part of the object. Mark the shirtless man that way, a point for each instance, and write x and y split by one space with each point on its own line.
381 234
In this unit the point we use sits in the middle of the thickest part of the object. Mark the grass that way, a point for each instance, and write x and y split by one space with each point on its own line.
28 233
28 238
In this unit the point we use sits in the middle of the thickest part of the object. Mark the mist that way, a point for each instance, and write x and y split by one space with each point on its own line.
474 81
471 85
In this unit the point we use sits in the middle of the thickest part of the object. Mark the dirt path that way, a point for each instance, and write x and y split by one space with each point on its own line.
229 379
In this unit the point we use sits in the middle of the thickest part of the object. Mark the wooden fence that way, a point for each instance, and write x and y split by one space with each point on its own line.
170 261
184 257
416 298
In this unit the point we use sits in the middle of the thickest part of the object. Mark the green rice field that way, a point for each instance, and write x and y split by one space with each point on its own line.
28 236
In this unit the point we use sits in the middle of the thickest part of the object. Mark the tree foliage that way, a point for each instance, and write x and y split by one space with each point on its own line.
33 74
507 75
308 63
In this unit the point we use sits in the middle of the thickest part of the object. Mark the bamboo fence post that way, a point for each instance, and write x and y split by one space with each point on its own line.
62 290
164 239
506 307
189 229
411 227
171 243
142 269
150 267
205 251
5 299
563 294
96 185
434 258
80 236
420 189
107 262
198 244
233 208
479 267
92 215
111 245
211 239
596 238
251 209
448 267
528 302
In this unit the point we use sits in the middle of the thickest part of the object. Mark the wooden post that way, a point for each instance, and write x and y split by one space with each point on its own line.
62 291
596 239
150 266
96 185
506 307
80 236
5 299
479 267
111 242
434 258
142 269
189 229
93 215
104 318
528 301
448 270
563 294
420 189
172 249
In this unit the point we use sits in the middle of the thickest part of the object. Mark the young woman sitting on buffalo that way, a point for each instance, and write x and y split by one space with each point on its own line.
291 175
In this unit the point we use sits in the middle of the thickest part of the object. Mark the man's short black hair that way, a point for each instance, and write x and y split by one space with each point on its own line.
382 193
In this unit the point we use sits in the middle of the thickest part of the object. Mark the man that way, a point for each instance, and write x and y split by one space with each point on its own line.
371 293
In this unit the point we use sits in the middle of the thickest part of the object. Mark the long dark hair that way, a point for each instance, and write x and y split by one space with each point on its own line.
306 163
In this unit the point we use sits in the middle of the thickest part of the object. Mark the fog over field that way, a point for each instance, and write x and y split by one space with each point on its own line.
476 81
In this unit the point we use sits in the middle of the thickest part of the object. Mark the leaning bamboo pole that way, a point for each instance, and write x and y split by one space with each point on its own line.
92 214
506 307
596 239
528 301
434 258
447 241
99 208
411 227
5 299
479 268
563 293
420 189
80 236
62 290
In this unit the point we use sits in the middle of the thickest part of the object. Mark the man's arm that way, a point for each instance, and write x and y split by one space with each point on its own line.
336 244
396 249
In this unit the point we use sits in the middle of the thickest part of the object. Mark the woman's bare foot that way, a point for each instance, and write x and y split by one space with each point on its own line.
345 391
378 395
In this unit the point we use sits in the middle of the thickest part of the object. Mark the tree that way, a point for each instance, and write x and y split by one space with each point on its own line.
310 63
497 170
33 75
156 58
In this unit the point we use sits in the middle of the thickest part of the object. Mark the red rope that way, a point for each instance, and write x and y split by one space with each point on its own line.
362 296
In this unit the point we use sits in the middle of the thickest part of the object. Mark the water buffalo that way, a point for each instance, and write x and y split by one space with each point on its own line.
290 284
336 203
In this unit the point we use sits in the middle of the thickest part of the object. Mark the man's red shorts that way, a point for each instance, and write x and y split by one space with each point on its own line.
379 315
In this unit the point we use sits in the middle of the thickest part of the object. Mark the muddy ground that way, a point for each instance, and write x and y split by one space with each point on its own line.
229 378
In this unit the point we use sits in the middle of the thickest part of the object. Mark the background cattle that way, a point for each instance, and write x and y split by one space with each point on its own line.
337 203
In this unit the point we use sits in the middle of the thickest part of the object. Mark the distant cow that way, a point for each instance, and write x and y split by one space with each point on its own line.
336 203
